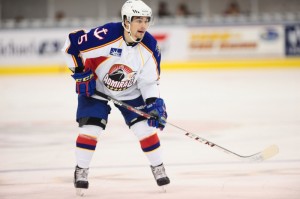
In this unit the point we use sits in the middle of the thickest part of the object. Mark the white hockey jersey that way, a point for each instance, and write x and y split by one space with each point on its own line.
124 72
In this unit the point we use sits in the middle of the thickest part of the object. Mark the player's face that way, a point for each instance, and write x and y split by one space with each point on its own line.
139 26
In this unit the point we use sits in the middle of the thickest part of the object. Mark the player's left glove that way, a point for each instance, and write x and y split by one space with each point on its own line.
85 83
157 109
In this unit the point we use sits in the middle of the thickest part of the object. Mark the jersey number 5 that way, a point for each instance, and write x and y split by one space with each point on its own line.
83 38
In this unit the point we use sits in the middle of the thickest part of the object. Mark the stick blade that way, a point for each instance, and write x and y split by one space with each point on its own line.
267 153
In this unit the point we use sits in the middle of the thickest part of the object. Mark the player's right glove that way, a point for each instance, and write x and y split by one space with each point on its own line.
85 83
157 109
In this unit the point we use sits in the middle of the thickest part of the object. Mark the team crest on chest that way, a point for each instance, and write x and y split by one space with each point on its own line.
116 52
119 77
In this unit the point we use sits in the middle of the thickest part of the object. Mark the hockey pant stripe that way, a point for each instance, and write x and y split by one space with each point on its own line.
85 142
150 143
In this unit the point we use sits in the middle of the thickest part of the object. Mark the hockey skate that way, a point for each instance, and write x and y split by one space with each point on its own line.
160 176
80 180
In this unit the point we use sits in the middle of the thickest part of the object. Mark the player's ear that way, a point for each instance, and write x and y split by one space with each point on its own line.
126 22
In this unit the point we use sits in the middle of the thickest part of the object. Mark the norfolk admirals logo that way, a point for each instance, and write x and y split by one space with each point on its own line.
119 78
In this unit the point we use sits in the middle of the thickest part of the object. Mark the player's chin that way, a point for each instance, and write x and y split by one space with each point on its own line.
140 37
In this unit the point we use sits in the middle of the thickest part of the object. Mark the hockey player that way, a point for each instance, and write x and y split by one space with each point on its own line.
121 60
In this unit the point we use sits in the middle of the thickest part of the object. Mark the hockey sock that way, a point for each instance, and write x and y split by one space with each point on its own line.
85 147
86 144
149 141
151 147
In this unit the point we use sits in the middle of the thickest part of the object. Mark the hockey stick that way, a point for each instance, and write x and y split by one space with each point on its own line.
260 156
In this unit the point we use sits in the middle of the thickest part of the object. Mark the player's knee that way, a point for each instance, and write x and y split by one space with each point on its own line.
142 129
92 121
90 131
135 120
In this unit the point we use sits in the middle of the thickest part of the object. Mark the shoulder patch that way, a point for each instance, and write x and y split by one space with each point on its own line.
116 52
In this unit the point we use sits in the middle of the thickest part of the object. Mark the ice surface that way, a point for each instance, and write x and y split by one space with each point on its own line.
243 111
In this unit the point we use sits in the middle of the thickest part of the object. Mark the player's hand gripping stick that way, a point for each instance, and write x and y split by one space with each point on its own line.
157 110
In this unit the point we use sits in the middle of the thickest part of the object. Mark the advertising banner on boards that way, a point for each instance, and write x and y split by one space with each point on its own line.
31 47
292 40
236 42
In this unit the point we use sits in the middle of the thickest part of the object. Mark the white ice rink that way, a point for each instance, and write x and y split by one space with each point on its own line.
242 110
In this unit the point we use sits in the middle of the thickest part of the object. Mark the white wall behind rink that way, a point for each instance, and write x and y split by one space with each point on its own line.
22 47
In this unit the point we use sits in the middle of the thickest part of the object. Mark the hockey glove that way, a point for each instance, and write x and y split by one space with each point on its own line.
85 83
158 110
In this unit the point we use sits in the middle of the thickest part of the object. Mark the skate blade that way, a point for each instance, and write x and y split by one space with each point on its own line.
163 189
80 192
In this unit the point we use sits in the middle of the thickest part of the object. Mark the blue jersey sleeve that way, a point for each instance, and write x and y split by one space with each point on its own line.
81 41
